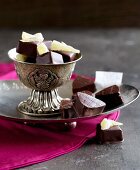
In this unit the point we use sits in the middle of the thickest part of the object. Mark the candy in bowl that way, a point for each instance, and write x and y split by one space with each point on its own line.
43 77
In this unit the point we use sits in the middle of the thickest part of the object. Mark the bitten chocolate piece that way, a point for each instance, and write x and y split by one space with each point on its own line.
66 109
82 83
111 135
29 49
87 105
50 58
111 96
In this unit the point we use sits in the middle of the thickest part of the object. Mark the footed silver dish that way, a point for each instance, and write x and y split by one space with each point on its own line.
43 80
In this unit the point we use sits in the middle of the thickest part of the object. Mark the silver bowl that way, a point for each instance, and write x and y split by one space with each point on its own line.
43 79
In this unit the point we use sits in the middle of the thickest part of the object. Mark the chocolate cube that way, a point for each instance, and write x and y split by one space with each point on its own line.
111 96
82 83
111 135
50 58
66 109
68 56
29 49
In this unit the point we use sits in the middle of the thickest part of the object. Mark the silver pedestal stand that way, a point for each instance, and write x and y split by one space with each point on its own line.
41 103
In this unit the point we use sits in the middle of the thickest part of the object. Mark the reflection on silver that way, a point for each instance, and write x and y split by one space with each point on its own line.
10 99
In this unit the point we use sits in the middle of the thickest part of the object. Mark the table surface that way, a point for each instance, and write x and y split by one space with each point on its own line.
109 50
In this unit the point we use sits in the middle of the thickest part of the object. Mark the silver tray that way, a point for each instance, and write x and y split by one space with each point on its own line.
13 92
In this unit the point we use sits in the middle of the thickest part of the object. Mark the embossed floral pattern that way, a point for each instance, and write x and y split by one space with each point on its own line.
42 79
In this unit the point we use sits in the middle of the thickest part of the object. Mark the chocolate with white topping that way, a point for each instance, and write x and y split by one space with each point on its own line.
112 135
34 47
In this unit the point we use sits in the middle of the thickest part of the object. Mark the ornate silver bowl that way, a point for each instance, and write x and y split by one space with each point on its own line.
43 79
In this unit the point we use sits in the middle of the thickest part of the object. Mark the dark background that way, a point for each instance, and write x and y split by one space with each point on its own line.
69 13
106 31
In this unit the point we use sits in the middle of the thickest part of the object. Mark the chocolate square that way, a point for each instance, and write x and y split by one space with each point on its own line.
111 135
111 96
68 56
50 58
82 83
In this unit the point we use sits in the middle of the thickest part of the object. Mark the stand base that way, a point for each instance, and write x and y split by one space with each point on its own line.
41 103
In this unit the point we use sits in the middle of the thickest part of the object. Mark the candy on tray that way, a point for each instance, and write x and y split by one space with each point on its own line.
111 96
82 83
66 109
82 104
87 105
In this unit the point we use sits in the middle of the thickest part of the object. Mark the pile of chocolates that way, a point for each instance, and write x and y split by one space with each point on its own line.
86 101
34 49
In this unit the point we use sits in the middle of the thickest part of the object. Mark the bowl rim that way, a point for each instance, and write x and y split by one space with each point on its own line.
12 53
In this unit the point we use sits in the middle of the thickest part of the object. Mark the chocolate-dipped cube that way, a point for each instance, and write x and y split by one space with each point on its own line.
29 49
68 56
112 135
50 58
87 105
66 109
82 83
111 96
